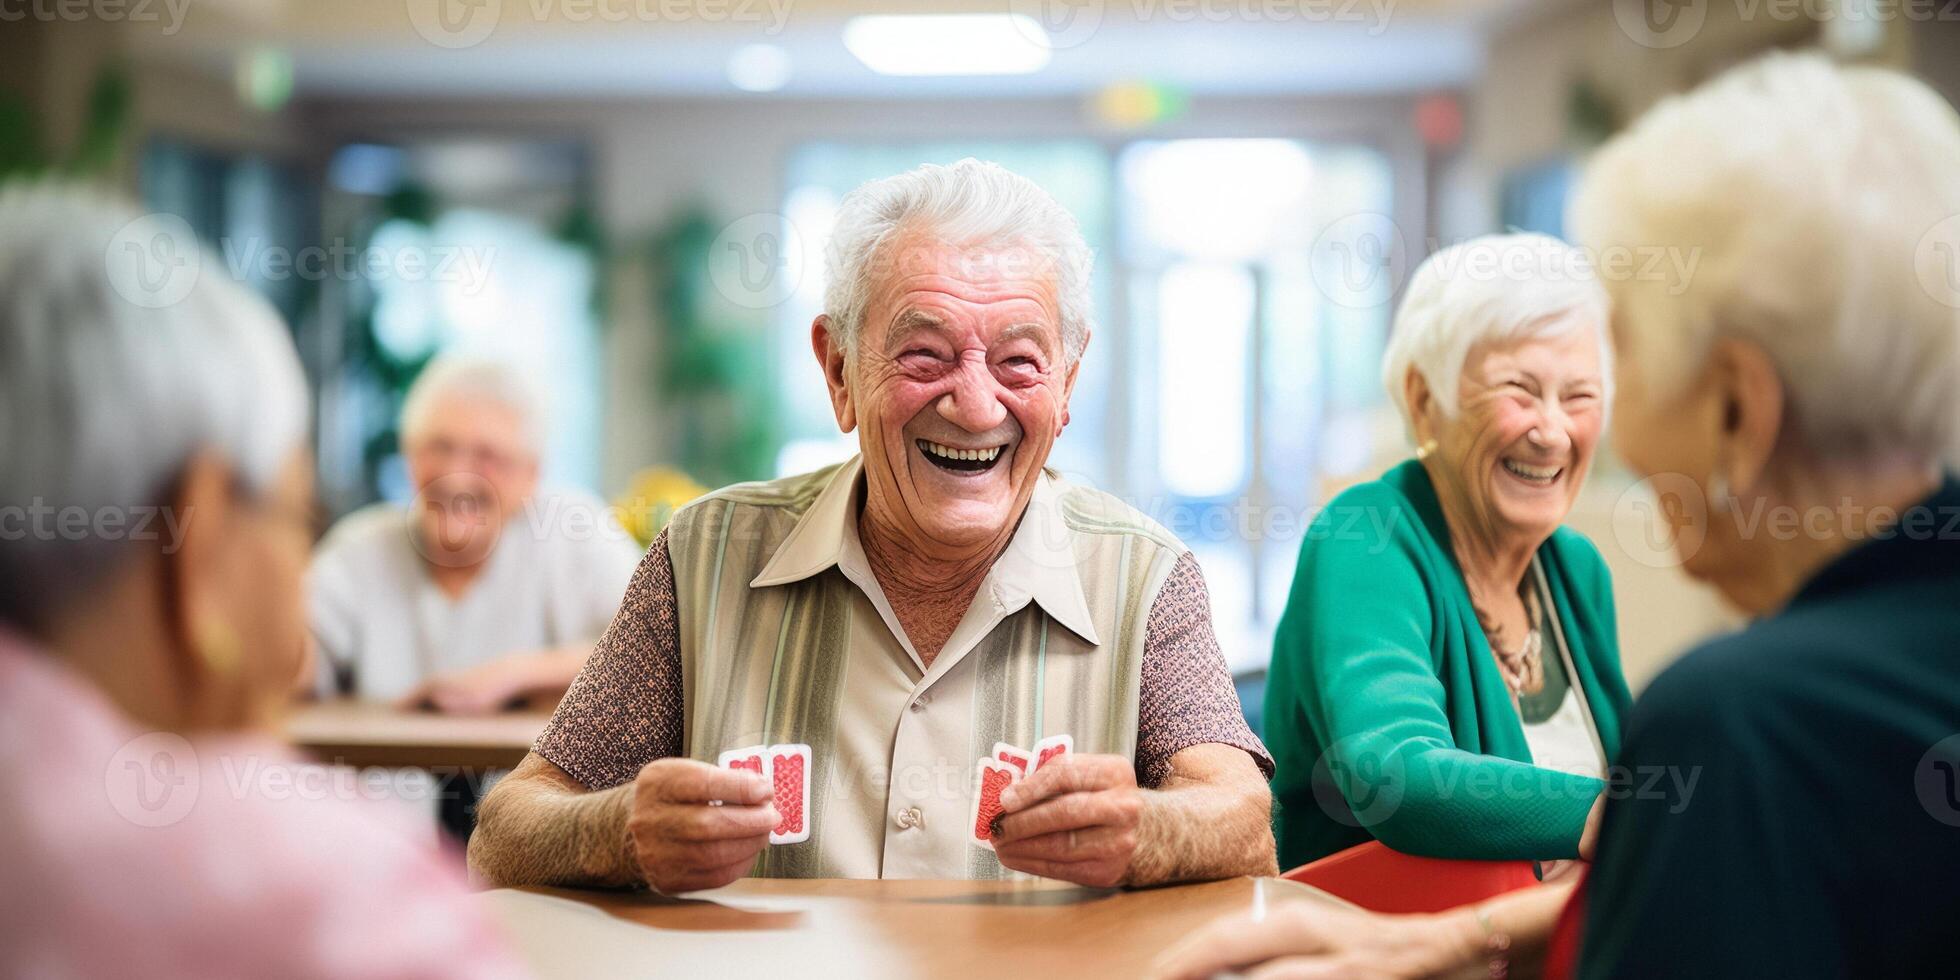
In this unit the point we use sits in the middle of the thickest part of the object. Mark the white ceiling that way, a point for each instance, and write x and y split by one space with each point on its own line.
639 48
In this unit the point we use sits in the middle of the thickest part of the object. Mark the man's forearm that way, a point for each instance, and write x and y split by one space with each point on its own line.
1198 829
533 831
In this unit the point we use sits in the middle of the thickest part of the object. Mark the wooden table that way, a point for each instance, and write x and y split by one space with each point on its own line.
820 928
363 733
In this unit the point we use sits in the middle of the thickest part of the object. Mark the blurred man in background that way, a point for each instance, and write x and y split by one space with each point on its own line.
482 592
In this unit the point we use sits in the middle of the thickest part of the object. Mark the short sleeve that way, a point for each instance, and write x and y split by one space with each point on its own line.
626 708
1186 695
333 612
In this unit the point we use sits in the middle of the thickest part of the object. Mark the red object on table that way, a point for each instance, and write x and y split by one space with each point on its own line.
1381 879
1562 955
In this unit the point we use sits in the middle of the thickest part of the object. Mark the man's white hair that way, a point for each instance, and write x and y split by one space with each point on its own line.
1821 204
478 378
1496 288
110 383
970 204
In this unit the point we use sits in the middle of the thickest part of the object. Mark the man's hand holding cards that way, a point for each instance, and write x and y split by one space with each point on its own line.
1074 817
696 826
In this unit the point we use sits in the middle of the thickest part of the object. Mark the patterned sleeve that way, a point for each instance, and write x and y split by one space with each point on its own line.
625 709
1186 697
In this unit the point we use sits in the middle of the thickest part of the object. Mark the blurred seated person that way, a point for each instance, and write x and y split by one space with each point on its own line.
146 650
1445 632
1792 808
482 591
901 612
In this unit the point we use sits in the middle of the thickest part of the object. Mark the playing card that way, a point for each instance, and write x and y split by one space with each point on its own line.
754 758
789 768
1048 748
993 777
1020 758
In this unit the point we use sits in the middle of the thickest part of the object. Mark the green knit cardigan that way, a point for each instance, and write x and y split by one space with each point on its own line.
1385 712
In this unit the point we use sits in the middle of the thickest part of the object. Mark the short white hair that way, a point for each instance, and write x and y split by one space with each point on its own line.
112 379
969 204
1820 202
1495 288
478 378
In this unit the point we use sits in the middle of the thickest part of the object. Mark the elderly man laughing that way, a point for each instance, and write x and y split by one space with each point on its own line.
904 611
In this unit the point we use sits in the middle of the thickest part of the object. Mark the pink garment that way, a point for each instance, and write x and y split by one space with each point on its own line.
131 854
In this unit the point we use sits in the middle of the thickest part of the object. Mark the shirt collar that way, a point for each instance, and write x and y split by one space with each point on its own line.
1039 563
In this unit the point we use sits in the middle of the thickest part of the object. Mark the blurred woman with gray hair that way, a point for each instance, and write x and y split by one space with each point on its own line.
1444 631
155 505
1795 403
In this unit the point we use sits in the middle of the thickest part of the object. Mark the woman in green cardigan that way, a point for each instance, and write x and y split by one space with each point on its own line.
1446 677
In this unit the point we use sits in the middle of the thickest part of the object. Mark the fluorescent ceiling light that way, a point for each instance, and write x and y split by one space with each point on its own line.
759 68
948 44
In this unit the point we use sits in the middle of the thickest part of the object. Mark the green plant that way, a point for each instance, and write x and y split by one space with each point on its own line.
104 139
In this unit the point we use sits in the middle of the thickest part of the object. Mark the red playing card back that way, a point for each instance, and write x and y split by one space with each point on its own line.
789 771
995 777
1020 758
1050 747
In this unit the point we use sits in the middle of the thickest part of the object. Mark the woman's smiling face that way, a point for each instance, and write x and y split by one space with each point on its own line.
1529 416
959 385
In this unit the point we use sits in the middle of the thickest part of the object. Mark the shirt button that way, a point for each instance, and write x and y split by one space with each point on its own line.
903 817
919 703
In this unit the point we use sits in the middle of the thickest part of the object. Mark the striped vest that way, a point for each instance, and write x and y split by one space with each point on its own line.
786 638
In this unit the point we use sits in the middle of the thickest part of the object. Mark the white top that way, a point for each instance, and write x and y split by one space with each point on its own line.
554 577
1566 741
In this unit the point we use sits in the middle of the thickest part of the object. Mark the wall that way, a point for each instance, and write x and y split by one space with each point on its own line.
654 158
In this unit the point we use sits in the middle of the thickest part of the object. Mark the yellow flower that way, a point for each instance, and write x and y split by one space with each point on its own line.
651 499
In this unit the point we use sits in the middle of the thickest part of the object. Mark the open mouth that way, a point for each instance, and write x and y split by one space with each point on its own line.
960 460
1538 476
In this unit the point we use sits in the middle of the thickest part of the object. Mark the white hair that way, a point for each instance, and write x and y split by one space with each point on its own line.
969 204
1820 203
1496 288
477 378
112 378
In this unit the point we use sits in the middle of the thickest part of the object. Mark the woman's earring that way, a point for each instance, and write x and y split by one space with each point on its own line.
1426 450
218 646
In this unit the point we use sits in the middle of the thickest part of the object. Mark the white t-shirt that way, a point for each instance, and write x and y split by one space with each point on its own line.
554 577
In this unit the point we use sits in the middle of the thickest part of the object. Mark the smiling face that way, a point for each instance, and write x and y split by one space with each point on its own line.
1522 440
472 472
958 388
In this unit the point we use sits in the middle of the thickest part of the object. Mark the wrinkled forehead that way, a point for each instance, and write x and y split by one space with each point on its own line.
922 282
1566 346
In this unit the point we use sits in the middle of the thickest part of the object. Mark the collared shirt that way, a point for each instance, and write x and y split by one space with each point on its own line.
765 625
